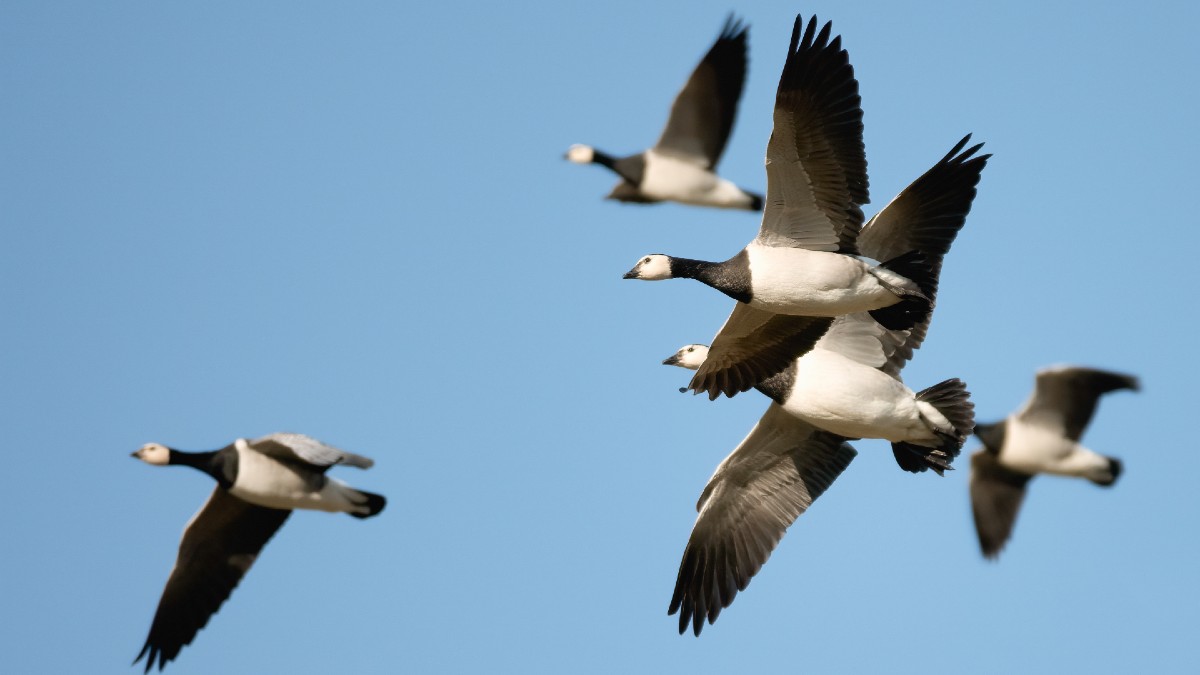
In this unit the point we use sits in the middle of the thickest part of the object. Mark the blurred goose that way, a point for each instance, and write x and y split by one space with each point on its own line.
681 167
259 482
1042 437
802 269
849 384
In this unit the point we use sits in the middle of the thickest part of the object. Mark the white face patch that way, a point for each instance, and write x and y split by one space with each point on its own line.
651 268
581 154
154 453
691 356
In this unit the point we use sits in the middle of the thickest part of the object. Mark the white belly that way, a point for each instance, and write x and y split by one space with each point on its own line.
850 399
1031 449
265 482
668 178
813 283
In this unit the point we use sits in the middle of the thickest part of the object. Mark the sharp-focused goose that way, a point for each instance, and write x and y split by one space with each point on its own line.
681 167
802 269
836 388
259 482
1042 437
849 385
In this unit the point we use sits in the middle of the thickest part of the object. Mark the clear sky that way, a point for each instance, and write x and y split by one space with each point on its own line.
353 220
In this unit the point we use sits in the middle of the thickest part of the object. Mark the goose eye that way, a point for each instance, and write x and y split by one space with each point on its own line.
691 349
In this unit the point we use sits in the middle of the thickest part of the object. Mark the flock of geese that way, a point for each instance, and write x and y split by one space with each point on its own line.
827 311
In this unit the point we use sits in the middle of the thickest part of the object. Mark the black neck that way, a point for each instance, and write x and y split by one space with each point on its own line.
722 276
630 168
604 159
220 464
992 436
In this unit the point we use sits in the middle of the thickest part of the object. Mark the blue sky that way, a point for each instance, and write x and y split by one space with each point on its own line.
353 220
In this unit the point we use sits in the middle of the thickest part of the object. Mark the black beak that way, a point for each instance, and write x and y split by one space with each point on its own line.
631 274
671 360
135 453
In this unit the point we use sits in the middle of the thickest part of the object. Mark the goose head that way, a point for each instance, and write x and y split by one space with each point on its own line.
154 453
581 154
688 356
652 267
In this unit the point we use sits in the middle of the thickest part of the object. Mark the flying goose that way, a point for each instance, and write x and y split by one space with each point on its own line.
1041 437
259 482
849 384
802 269
681 167
838 387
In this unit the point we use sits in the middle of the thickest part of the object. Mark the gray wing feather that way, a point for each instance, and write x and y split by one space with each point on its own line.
816 160
219 545
756 493
860 338
309 450
1065 397
996 496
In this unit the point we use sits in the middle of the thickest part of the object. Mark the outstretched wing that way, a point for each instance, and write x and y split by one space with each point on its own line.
219 545
1065 397
996 495
926 216
753 345
704 110
760 489
816 161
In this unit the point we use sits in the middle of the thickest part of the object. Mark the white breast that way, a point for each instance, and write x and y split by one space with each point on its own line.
1033 449
264 481
669 178
812 283
847 398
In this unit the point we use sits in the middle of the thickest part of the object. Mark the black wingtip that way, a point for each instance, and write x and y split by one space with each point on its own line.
1116 467
805 35
734 28
960 156
959 146
1114 470
153 653
374 504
